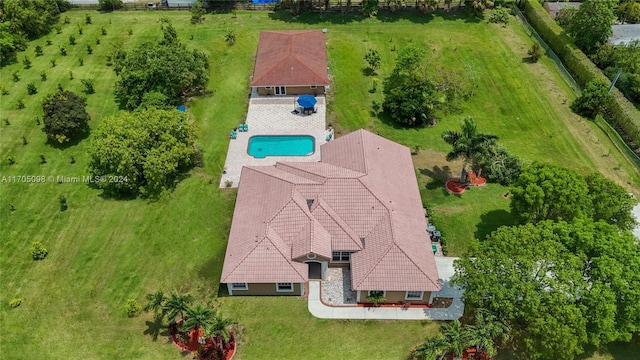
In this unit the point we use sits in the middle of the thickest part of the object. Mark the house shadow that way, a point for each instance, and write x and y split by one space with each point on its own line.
491 221
157 328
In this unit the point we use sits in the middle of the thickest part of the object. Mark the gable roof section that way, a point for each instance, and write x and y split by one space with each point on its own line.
291 58
362 197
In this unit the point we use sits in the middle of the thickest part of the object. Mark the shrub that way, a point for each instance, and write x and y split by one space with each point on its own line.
67 20
109 5
103 31
89 50
4 90
63 202
20 104
63 51
535 52
14 303
500 15
72 40
15 75
87 19
132 308
24 140
38 252
370 8
38 50
88 86
32 89
592 100
6 121
58 29
26 62
80 61
11 160
53 63
43 159
49 42
230 36
43 76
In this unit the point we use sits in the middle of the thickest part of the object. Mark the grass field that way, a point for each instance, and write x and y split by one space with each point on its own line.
102 251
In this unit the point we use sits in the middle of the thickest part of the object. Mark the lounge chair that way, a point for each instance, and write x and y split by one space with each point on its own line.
329 137
245 127
233 134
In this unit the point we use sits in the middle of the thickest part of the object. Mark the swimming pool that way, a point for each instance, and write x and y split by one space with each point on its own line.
261 146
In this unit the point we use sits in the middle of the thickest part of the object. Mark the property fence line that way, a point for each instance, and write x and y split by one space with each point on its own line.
300 6
549 52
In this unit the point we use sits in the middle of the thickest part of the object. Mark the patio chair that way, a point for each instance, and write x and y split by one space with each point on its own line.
434 249
245 127
233 134
329 137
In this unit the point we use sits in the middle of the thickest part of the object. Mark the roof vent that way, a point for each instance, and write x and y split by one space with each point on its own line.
309 203
362 239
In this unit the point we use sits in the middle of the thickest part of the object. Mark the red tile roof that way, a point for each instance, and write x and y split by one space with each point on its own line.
363 196
291 58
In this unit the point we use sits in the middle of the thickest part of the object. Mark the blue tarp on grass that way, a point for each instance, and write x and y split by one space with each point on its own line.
265 1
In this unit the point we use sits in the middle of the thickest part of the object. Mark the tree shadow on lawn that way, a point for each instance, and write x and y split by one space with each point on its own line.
315 18
491 221
618 350
157 328
439 176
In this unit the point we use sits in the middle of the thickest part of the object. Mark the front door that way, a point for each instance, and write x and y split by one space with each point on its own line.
281 90
315 270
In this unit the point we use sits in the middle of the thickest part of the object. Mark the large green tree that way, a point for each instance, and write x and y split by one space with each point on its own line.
610 202
198 317
65 118
559 286
167 67
549 192
591 24
177 304
468 144
142 152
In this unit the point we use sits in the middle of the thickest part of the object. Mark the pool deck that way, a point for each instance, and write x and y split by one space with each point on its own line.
273 115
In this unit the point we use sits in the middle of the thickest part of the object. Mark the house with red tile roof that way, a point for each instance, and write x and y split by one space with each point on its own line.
358 207
291 62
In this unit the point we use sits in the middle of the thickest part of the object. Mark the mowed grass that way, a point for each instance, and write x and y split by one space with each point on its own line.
104 251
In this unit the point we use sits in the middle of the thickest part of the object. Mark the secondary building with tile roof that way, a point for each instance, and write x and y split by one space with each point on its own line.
291 62
359 206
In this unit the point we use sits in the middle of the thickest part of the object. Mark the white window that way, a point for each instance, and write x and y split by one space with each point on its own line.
340 256
413 295
267 87
284 287
376 293
239 286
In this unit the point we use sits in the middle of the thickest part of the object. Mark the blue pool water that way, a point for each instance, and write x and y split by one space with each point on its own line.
261 146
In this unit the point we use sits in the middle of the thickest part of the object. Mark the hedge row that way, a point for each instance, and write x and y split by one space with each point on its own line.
621 112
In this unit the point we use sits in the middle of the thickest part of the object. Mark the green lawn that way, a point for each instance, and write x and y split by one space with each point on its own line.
103 251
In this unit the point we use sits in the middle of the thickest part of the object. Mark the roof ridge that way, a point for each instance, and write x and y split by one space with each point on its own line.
246 256
414 263
328 207
377 262
259 168
295 55
288 165
285 256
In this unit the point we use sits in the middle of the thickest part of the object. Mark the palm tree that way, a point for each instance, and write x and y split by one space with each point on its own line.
155 303
221 327
430 349
177 304
198 317
467 144
486 330
455 337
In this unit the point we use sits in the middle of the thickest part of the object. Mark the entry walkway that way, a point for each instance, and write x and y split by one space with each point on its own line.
445 270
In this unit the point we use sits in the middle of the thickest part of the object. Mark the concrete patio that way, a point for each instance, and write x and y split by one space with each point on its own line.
273 115
445 269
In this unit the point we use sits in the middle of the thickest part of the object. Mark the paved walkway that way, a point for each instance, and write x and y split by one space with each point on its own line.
445 269
273 115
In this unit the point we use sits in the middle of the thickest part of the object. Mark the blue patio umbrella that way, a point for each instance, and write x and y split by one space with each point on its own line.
307 101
